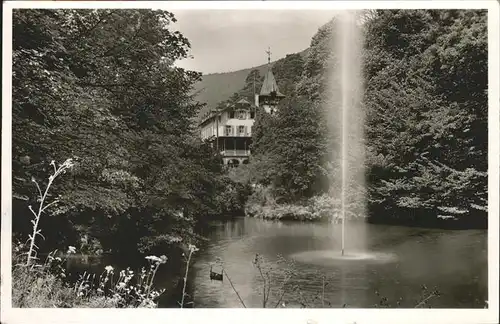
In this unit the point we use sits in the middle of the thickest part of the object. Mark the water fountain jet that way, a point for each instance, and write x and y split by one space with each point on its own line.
345 118
347 49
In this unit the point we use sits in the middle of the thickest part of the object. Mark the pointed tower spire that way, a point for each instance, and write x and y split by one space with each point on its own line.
269 93
269 86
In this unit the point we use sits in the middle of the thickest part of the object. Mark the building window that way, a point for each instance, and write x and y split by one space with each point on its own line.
242 114
229 130
252 114
231 114
241 130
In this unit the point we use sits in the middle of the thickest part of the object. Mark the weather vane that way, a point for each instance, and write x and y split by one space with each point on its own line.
268 55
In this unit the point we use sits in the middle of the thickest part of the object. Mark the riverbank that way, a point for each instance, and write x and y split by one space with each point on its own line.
327 209
323 208
73 280
429 219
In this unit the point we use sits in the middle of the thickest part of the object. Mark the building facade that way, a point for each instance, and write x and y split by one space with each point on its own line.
229 130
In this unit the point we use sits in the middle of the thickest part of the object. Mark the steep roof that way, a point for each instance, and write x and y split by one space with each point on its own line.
243 102
270 86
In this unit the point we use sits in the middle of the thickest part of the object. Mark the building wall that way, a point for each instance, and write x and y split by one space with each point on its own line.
210 127
235 146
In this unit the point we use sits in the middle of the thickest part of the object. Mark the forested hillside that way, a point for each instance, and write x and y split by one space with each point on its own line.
216 87
425 100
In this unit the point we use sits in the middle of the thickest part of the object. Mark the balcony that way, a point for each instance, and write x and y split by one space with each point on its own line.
235 153
242 134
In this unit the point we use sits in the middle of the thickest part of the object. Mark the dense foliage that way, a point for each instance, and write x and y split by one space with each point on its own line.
100 86
425 101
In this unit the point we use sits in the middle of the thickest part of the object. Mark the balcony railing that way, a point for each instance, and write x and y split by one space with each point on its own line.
235 152
247 134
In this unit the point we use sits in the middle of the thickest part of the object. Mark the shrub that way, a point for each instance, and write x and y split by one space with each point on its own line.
45 284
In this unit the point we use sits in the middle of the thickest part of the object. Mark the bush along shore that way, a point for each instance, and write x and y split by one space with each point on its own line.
323 208
326 208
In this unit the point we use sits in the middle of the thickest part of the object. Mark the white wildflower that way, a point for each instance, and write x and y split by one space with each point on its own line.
71 249
153 258
68 163
109 268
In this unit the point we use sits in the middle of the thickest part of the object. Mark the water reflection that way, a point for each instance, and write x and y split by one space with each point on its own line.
455 261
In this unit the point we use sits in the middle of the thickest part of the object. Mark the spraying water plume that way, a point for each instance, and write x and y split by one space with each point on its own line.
345 118
346 85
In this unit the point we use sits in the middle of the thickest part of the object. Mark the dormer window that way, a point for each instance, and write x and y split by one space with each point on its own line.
242 114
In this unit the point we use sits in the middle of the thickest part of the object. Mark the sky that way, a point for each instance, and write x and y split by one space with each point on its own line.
231 40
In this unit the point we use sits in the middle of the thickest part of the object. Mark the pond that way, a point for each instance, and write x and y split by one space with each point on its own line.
381 261
400 260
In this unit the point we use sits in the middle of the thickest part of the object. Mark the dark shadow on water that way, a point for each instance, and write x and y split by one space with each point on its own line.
424 218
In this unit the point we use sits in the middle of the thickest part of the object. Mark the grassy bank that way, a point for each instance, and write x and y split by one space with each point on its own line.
323 208
45 283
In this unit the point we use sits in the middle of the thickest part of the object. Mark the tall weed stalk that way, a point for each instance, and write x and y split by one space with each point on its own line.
32 251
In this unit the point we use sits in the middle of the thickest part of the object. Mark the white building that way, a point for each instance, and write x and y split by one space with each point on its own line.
230 129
